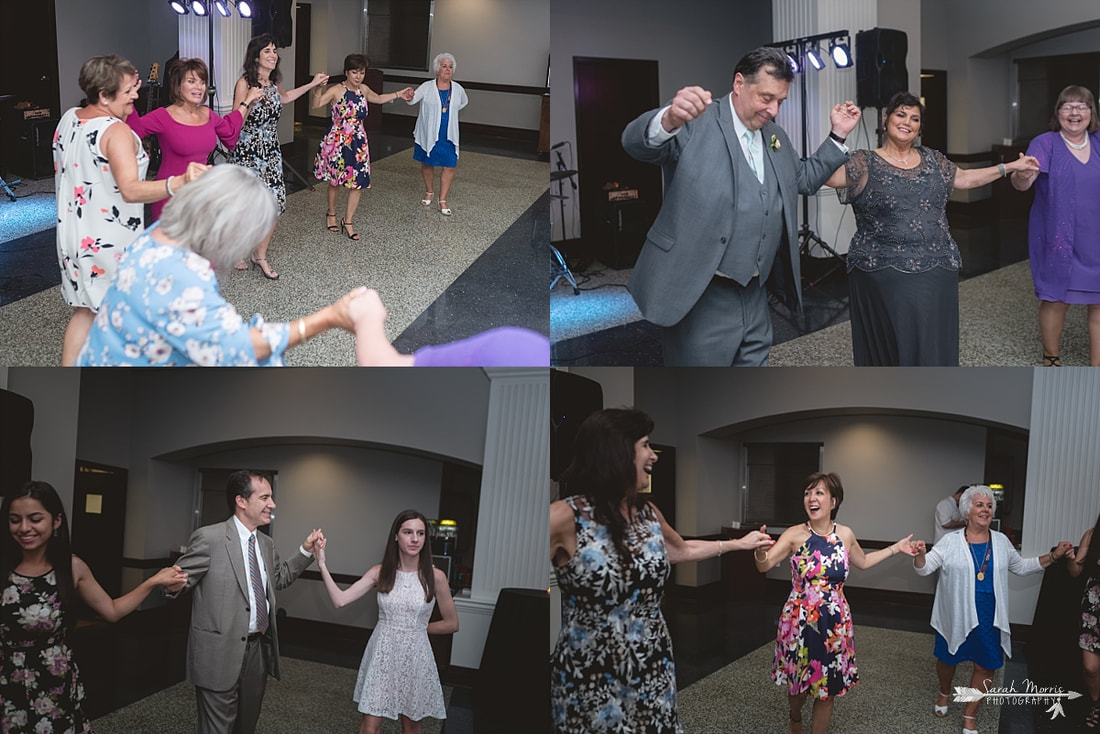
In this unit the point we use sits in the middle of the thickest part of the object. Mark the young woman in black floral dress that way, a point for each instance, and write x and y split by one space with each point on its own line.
40 688
1086 559
612 669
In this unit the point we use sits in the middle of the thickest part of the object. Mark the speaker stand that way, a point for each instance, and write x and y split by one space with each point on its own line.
6 186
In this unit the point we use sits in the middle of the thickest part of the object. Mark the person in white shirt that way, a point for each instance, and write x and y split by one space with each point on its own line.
970 611
948 517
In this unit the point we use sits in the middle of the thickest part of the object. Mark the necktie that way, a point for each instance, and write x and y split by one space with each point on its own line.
259 596
748 136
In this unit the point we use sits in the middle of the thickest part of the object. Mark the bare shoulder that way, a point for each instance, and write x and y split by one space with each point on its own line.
441 578
80 568
374 571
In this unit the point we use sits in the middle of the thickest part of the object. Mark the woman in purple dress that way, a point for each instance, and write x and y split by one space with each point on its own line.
1065 222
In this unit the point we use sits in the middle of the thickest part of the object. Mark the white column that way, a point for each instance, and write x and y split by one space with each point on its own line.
231 37
513 514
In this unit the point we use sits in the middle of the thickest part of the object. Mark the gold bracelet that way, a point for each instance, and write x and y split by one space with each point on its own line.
302 331
758 558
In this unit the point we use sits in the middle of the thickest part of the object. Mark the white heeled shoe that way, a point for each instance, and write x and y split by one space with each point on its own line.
965 729
941 711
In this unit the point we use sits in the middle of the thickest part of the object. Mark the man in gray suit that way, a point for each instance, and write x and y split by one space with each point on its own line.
233 572
732 180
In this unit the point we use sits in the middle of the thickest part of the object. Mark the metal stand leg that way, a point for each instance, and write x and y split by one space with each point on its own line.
6 185
559 269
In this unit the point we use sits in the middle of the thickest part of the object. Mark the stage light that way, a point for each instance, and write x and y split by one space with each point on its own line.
178 6
198 7
244 8
793 61
841 53
813 55
222 7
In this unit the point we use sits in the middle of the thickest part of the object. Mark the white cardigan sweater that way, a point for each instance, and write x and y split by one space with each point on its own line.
953 611
431 114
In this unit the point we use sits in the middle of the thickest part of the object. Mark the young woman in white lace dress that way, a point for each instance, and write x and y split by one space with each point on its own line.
398 678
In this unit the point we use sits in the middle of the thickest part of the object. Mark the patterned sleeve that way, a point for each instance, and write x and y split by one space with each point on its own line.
946 168
856 171
228 128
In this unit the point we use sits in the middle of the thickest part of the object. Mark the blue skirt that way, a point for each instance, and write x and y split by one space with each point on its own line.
443 154
982 645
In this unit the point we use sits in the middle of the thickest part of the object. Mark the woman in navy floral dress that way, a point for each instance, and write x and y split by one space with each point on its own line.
1086 559
612 669
814 650
40 688
344 156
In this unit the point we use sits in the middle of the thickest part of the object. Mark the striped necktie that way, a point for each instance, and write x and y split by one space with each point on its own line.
749 140
259 596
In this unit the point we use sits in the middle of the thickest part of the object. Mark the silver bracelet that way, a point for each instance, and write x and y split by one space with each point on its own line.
1001 168
168 188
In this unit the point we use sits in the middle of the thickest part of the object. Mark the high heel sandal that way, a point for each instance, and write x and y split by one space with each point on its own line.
969 731
347 230
427 200
443 208
1052 360
331 227
261 263
941 711
1092 721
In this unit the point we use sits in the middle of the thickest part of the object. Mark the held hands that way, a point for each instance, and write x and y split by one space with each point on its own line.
908 546
919 546
341 310
319 78
757 539
172 578
253 94
319 550
367 310
312 539
1026 165
844 118
689 103
406 94
1062 550
194 170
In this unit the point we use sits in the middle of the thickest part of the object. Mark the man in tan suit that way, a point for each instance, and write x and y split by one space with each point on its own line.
233 572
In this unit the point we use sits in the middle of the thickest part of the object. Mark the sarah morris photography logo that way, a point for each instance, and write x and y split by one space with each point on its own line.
1030 694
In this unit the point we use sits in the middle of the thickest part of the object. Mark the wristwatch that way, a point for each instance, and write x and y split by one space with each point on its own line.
836 137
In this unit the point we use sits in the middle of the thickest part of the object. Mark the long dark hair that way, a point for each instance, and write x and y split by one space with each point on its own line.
388 573
603 469
1093 556
252 60
58 548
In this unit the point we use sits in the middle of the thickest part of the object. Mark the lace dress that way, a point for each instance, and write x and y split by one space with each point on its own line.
258 144
40 689
813 648
344 156
902 264
398 674
612 668
94 224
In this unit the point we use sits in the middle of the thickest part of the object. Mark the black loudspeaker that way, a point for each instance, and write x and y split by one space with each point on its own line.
31 148
15 441
880 66
572 399
510 691
282 22
626 229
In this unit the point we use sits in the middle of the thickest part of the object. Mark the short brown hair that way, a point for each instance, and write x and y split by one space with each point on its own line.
356 62
104 74
832 485
179 69
1074 93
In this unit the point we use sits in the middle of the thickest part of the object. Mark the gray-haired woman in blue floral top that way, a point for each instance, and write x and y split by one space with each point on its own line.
40 688
612 669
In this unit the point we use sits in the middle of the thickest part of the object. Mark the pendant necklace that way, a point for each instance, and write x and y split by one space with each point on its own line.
902 161
988 551
1075 146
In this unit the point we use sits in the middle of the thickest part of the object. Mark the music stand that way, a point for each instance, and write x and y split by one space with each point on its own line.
6 185
558 267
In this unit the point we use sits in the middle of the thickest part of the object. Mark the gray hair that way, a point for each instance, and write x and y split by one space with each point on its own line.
443 57
968 498
221 216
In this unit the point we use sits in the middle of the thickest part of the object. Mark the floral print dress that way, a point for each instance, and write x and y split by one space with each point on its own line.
344 156
94 224
40 688
258 144
1090 612
612 668
814 650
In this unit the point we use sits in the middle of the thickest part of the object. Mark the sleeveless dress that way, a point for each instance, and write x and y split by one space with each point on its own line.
813 649
443 153
258 144
344 156
40 688
398 674
94 224
612 668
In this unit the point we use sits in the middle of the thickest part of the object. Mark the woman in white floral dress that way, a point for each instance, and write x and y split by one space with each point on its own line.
398 678
40 688
99 177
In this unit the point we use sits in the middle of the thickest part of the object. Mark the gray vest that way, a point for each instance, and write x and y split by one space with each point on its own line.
757 222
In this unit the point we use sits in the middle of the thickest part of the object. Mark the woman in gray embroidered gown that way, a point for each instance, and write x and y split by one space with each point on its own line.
903 265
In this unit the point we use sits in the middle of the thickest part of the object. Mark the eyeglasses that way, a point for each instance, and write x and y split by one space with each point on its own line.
1067 108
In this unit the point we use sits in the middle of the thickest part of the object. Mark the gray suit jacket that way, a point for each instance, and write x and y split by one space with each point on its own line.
221 599
691 232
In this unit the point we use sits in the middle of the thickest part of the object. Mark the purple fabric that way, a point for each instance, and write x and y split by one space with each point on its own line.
506 346
1052 225
181 144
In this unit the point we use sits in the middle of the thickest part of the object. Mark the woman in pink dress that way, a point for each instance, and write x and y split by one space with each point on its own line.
187 129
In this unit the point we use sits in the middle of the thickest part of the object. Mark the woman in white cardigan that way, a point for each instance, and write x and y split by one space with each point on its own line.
436 131
970 611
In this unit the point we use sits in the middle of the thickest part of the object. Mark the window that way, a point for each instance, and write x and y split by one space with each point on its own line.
399 33
774 473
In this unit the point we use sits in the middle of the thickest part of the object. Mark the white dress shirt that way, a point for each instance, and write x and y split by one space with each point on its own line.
243 535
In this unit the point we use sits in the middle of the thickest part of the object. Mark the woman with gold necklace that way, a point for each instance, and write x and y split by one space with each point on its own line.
903 265
1064 221
970 611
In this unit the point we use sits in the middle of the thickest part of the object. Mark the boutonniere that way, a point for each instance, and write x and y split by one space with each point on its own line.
774 144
